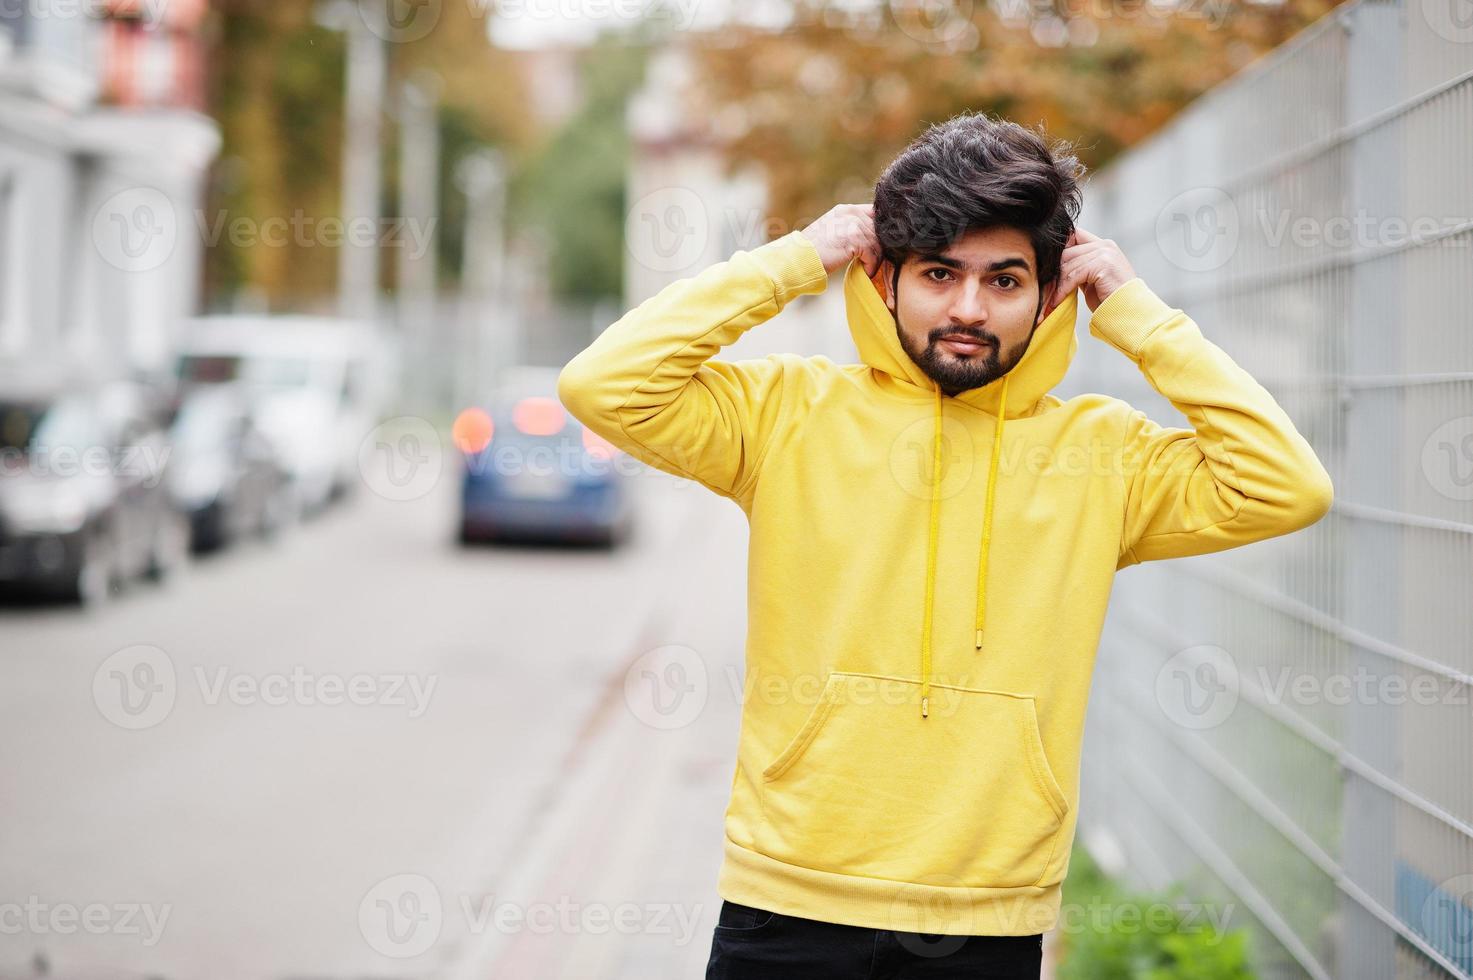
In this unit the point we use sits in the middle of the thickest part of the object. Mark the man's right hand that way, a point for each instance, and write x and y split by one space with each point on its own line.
846 231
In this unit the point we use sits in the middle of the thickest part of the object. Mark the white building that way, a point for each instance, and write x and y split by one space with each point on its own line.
103 155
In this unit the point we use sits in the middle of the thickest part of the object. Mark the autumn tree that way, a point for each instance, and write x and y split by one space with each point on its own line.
822 100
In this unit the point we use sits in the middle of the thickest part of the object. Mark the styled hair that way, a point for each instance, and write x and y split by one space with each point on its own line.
977 171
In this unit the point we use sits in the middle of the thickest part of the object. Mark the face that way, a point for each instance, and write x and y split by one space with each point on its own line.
967 314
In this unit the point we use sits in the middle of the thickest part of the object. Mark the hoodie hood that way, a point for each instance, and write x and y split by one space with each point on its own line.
1042 367
1014 395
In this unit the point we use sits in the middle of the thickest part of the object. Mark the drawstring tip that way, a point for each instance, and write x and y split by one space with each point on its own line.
925 707
979 639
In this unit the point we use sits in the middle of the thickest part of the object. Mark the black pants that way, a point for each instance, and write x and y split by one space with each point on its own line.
757 944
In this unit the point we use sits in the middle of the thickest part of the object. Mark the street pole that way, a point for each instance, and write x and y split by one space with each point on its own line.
358 257
485 319
419 201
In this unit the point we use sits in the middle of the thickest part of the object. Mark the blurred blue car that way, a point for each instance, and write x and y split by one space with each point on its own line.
531 471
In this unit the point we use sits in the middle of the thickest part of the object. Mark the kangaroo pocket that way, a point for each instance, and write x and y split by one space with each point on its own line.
866 786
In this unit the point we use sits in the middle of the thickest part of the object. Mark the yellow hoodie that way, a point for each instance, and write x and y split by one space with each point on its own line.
928 574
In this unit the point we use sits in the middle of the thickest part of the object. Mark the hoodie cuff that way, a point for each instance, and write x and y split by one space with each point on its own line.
1129 315
794 265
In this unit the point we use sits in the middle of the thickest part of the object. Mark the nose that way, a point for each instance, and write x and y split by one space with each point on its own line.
969 307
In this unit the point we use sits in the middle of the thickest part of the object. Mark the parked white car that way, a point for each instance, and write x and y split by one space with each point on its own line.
319 385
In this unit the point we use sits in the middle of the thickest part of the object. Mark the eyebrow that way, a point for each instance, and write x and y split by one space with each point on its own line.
1011 262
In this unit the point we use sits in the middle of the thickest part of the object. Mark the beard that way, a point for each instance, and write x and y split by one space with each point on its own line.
956 373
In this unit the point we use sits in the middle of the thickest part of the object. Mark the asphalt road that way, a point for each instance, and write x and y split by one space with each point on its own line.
364 751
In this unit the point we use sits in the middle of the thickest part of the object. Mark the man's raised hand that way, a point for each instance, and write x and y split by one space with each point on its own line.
1093 264
846 231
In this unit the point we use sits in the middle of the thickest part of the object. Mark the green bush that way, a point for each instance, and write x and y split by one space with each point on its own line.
1111 933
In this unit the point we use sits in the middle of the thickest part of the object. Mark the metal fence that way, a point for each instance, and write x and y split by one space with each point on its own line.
1286 727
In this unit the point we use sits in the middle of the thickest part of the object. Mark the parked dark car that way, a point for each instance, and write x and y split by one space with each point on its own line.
224 472
83 503
531 471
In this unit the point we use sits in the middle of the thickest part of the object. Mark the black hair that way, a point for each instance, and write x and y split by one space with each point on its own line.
977 171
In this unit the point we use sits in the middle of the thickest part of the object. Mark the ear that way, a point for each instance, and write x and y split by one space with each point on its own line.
881 279
1049 306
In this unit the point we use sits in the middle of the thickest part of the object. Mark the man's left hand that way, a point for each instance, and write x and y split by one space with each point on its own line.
1093 264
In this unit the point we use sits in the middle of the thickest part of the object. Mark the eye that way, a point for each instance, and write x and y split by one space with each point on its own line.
1012 279
944 272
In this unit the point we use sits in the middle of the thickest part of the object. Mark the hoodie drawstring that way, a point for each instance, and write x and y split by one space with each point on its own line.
934 530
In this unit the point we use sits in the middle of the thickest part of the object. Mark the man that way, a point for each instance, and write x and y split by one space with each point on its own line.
933 542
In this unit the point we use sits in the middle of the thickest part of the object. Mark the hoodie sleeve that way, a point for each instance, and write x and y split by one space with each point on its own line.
1242 473
648 384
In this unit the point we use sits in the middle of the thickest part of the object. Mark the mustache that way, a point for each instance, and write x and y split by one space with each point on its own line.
980 336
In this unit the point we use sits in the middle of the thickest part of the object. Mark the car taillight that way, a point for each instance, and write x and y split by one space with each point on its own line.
597 446
472 430
539 416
